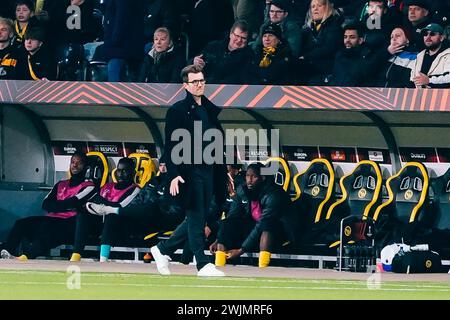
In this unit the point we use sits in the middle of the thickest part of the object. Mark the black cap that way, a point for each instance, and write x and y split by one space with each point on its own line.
282 4
420 3
273 29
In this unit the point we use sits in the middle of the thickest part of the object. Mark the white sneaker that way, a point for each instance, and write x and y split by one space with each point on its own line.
162 261
210 270
4 254
100 209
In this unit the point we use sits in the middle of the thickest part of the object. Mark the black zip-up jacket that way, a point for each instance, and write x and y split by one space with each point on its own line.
182 116
223 65
276 208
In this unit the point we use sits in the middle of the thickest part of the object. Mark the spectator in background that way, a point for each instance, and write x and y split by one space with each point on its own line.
222 60
68 43
164 62
8 53
6 9
379 21
432 67
160 13
25 20
401 60
249 11
210 20
357 64
33 236
278 14
272 59
418 18
35 63
124 39
116 195
322 38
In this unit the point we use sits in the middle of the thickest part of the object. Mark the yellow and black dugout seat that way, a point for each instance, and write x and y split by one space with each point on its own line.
407 201
315 191
361 196
282 175
97 168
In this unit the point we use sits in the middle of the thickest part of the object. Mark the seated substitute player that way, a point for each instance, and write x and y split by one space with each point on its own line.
33 236
117 195
259 218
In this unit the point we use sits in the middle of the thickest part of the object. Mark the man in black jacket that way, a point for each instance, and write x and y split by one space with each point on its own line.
258 218
191 176
357 64
221 60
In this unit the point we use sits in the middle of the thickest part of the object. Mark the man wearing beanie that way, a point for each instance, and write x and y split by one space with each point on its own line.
271 62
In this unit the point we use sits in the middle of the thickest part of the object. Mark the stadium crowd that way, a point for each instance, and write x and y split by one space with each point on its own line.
297 42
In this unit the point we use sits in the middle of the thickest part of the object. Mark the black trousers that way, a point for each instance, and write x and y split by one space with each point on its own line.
34 236
128 228
193 227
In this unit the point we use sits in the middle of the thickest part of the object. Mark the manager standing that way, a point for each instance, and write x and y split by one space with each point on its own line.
194 183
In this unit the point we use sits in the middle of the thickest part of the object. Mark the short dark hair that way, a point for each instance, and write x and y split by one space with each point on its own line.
127 162
35 33
80 155
241 24
28 3
256 167
189 69
354 26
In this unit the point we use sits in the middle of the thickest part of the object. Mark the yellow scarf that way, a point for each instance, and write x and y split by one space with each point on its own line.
20 33
266 61
30 68
316 25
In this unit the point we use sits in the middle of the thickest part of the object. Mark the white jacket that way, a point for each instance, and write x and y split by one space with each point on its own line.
439 72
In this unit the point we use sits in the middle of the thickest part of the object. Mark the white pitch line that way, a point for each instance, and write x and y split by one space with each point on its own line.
220 287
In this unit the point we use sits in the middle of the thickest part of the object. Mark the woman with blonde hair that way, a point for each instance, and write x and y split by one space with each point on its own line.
322 38
164 62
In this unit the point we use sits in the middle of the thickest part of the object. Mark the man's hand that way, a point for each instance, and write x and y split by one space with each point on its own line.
213 247
393 49
207 231
199 62
421 80
174 188
234 253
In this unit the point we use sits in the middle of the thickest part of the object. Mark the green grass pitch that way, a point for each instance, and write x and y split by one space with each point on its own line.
53 285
